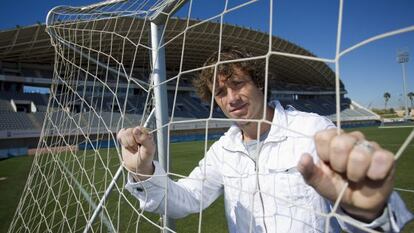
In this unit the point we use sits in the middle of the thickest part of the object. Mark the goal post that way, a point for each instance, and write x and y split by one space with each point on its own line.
161 105
73 54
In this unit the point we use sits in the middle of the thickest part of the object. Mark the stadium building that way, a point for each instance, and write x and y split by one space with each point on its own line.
27 63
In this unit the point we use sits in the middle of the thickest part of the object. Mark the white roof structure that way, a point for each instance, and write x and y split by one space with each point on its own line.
124 35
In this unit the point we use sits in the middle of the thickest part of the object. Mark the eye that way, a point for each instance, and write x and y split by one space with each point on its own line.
219 92
237 83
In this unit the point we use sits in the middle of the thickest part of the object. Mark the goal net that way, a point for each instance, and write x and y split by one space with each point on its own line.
115 62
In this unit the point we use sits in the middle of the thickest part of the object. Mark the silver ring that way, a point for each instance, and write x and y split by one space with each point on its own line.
366 145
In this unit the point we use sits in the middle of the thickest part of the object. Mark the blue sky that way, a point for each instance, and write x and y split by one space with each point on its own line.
367 72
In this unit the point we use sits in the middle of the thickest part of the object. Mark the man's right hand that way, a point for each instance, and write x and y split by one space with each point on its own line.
138 151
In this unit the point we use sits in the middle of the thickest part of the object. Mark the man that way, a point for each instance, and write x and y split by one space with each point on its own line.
273 176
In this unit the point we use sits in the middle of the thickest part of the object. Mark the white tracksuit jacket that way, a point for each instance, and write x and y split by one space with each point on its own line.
271 189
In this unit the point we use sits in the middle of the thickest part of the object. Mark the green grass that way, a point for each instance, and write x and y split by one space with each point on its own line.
185 157
14 172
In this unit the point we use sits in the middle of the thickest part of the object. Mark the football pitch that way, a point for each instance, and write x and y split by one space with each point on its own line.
185 156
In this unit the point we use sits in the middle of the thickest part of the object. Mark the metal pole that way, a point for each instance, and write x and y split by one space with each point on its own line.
103 200
88 198
161 104
402 58
108 190
405 91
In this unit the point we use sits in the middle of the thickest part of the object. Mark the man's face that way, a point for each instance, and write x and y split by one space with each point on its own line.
238 97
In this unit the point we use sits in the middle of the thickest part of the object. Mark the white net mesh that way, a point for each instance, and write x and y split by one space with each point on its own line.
102 83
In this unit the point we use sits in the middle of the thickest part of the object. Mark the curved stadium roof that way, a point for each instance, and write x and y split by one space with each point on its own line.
33 45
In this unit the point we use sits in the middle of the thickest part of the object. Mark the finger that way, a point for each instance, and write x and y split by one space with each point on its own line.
357 134
120 134
375 145
142 136
138 134
122 138
322 142
381 165
128 141
321 177
309 170
358 163
340 148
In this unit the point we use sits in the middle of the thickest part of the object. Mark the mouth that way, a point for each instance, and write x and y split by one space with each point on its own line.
238 108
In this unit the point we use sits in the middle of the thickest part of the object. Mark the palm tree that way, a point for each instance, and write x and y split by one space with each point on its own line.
411 97
387 97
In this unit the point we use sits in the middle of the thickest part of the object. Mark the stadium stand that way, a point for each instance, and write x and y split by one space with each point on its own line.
303 84
5 106
37 99
17 121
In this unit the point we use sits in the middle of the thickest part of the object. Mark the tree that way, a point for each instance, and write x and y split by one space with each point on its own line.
387 97
411 97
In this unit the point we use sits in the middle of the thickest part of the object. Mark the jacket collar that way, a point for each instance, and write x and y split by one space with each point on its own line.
232 140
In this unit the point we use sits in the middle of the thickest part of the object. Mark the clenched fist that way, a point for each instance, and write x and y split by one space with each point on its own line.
138 151
348 157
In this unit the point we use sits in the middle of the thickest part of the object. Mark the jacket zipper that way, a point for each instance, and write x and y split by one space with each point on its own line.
261 197
256 169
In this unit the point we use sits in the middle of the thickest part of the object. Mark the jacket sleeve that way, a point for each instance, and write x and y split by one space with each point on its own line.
393 219
159 194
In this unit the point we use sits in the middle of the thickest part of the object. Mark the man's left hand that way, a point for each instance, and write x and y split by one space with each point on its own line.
349 157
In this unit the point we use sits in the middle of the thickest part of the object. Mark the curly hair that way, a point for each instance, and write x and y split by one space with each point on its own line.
254 67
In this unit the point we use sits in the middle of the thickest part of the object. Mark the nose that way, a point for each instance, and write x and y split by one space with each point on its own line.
233 96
